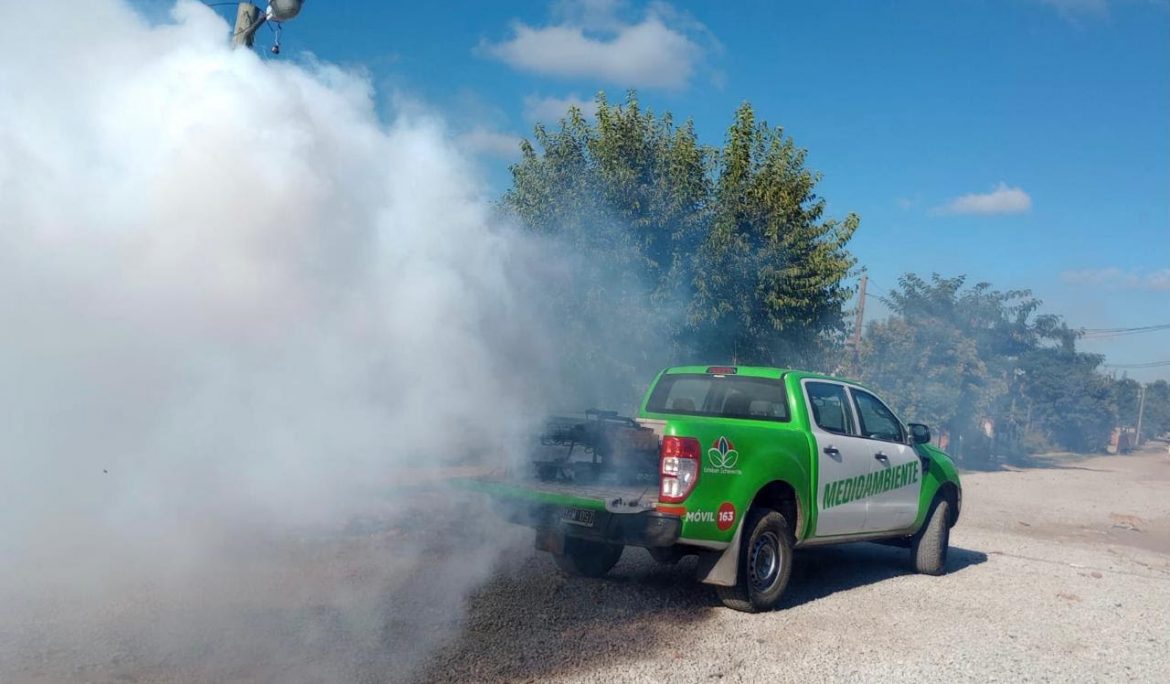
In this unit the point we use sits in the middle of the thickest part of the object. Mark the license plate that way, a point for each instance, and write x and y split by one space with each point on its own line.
577 516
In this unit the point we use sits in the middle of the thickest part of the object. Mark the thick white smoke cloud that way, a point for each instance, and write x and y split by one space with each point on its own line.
235 305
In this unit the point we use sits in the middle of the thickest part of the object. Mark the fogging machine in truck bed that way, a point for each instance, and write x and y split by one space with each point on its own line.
602 448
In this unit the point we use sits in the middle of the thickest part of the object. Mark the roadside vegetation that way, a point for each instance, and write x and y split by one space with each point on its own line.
997 376
685 252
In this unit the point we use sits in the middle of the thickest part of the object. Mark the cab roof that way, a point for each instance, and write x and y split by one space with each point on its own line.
753 372
764 372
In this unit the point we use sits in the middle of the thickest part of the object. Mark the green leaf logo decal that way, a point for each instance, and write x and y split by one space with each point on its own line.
722 454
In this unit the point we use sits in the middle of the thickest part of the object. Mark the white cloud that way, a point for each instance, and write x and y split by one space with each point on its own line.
486 141
1117 278
550 109
1001 200
660 51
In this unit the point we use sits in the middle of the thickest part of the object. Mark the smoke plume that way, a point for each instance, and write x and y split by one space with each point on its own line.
243 317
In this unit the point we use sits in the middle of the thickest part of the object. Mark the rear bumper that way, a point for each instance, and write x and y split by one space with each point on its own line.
646 528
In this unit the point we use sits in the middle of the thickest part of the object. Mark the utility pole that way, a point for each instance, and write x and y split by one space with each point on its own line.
857 323
1141 409
248 19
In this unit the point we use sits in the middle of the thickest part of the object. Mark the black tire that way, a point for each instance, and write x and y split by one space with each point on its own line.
587 558
928 549
765 563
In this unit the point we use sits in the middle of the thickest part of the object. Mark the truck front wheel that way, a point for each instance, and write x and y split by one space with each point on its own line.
928 548
765 562
587 558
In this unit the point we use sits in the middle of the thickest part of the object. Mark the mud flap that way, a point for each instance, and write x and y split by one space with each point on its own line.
722 568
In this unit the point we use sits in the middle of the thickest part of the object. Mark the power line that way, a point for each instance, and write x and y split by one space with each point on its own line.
1112 330
874 288
1100 333
1150 364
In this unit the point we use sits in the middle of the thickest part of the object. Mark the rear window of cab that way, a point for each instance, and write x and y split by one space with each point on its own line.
720 396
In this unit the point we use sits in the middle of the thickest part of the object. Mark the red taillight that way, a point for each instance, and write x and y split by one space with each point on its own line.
678 465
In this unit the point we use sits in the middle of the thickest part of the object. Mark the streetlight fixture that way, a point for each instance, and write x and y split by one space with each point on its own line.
283 10
249 19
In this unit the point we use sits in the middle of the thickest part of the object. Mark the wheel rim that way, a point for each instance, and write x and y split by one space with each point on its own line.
764 562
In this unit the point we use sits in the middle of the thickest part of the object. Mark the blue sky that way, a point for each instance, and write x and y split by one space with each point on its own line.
1021 142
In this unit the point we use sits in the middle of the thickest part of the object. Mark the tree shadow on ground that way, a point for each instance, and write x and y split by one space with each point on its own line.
529 623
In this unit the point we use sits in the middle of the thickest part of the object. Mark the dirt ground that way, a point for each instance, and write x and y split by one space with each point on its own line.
1058 572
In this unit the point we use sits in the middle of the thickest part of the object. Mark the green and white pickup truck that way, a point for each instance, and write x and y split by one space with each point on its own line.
740 466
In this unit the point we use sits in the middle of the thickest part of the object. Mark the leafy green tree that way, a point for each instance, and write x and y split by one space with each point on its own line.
945 353
1156 416
623 202
1126 397
631 186
680 251
965 357
1069 402
769 278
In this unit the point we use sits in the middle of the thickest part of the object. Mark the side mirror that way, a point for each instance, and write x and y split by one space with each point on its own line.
919 433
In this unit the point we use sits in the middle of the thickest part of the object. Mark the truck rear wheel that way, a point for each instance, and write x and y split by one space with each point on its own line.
929 547
587 558
765 563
